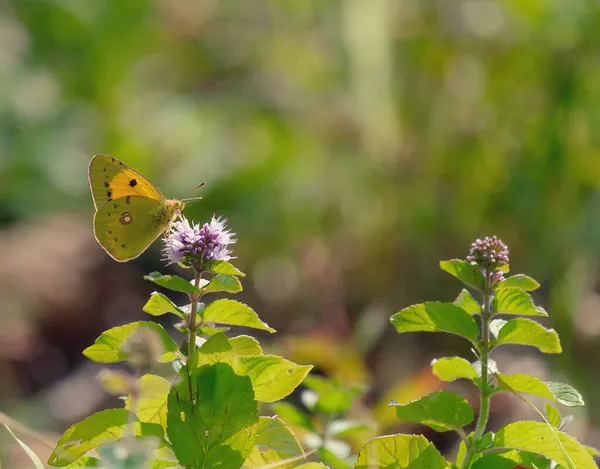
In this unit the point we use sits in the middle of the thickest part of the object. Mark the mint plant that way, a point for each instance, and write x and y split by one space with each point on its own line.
202 410
533 444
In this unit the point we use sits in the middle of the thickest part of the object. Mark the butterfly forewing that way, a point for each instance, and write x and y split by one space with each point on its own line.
110 180
127 226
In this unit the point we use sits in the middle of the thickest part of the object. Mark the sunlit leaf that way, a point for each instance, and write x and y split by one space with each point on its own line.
234 313
400 452
436 317
453 368
159 304
223 283
245 345
274 442
151 403
211 418
173 282
525 331
559 392
510 460
553 415
97 429
108 348
222 267
466 301
516 301
465 272
520 281
440 410
541 438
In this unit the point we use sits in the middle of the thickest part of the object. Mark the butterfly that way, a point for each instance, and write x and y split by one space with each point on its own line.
131 211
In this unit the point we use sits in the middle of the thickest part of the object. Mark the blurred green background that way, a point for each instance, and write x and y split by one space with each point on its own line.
352 144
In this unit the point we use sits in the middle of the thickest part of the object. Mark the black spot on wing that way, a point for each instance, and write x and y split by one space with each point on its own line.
127 199
133 183
109 194
106 184
122 245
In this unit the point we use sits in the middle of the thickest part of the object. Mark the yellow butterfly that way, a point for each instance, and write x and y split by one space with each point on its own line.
131 211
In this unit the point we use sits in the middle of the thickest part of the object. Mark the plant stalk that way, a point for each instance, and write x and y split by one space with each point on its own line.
484 391
192 326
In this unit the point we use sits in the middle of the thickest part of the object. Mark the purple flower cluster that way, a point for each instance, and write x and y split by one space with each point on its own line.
488 253
194 243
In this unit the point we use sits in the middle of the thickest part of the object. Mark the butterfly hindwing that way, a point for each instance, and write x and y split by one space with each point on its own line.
125 227
110 180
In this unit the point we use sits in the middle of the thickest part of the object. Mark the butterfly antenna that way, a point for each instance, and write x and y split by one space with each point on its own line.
193 198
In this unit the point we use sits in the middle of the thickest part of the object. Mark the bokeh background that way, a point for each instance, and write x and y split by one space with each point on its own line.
352 144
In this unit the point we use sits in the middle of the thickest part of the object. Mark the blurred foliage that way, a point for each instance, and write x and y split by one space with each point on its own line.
350 143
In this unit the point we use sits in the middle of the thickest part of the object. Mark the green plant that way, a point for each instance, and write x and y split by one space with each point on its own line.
526 443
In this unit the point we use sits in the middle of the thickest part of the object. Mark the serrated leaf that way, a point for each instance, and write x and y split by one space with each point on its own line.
292 415
559 392
436 317
274 442
540 438
151 403
465 272
525 331
520 281
108 348
211 418
273 377
159 304
453 368
218 349
223 283
553 415
222 267
102 427
245 345
510 460
466 301
515 301
400 452
234 313
173 282
440 410
30 453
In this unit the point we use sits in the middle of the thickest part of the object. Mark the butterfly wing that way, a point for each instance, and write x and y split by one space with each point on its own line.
111 179
125 227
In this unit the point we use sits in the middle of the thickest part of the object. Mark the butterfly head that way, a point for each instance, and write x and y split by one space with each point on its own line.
173 208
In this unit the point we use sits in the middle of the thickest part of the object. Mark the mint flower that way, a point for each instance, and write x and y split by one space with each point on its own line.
196 244
489 253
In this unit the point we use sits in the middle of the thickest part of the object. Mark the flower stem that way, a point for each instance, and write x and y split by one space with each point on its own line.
484 391
192 326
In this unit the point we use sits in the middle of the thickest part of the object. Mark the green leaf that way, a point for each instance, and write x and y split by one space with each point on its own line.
218 349
559 392
345 428
108 348
466 301
541 438
159 304
400 452
173 282
468 274
273 377
312 465
510 459
496 325
211 418
222 282
515 301
234 313
520 281
292 415
332 398
207 330
151 405
453 368
274 443
553 415
97 429
440 410
525 331
84 461
115 382
331 459
34 457
245 345
436 317
222 267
